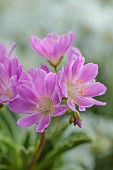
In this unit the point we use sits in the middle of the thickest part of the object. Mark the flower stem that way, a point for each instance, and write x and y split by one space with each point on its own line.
55 67
38 151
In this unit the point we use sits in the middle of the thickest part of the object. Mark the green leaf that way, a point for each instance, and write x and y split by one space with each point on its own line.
5 167
73 140
7 117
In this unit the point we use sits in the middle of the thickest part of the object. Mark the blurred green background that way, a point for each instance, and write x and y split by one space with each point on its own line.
92 22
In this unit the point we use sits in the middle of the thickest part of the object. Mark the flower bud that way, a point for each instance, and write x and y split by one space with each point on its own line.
76 119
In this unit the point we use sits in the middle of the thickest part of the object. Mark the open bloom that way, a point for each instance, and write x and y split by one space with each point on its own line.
77 84
10 73
39 100
53 46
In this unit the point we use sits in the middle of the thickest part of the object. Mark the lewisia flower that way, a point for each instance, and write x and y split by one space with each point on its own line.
10 73
39 100
53 46
77 84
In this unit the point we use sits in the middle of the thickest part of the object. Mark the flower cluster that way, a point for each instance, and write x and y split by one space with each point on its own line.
38 93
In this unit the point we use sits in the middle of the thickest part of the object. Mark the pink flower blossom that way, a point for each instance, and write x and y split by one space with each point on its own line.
52 47
10 73
39 100
77 84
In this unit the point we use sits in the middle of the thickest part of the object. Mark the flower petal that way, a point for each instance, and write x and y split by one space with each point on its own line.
35 44
82 109
78 122
50 83
59 110
94 89
39 80
29 120
43 124
64 90
89 72
55 97
73 54
71 104
45 68
83 102
77 67
21 106
3 51
98 103
27 93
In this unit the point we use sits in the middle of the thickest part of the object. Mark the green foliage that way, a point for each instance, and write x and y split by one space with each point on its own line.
72 141
17 148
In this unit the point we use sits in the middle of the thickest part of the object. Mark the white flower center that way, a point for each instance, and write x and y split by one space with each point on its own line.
46 105
75 89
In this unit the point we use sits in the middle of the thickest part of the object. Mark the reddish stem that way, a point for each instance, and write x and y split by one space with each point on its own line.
38 151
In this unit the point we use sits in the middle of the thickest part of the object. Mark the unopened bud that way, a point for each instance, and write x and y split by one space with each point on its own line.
77 119
71 119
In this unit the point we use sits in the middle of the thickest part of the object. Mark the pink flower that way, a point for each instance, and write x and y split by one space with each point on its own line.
52 47
39 100
10 73
77 84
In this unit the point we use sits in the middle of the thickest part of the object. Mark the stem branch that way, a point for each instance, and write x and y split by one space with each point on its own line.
38 151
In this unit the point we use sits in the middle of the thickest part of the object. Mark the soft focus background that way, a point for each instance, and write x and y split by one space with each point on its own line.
92 22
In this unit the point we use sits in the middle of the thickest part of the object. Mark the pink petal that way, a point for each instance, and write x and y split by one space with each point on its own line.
45 68
64 90
35 44
89 72
39 81
13 66
3 51
27 93
52 35
83 102
94 89
78 122
59 93
29 120
55 97
98 103
21 106
77 67
82 109
59 110
50 84
73 54
71 104
43 124
66 41
68 71
47 45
